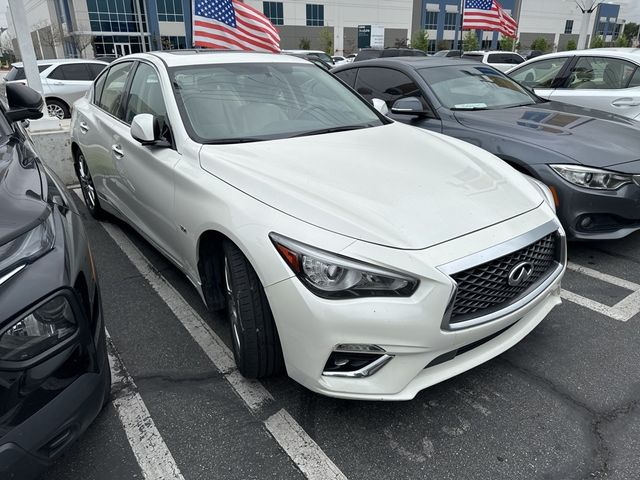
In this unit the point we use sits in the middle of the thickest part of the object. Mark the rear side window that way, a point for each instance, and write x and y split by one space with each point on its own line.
540 74
508 58
95 69
473 56
114 88
17 73
72 71
601 73
635 80
348 76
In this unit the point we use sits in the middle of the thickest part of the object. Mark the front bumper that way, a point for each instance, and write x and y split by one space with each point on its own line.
589 214
408 329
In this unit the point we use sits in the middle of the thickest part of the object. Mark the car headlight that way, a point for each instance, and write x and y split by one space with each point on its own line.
544 190
329 275
44 328
594 178
27 248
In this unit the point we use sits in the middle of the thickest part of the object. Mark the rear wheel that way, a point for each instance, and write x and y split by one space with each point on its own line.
88 188
256 346
58 109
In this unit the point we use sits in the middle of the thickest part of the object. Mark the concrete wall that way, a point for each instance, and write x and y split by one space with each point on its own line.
564 39
527 38
290 36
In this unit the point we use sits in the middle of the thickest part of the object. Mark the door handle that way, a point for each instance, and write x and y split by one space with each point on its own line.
626 102
84 127
117 151
58 83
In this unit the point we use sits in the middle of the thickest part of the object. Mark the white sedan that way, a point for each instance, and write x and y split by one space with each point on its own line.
367 258
605 79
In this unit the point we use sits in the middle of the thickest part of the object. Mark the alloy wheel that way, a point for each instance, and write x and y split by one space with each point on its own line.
86 183
55 111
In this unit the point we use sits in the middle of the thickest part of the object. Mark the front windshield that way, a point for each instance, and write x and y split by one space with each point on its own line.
470 87
241 102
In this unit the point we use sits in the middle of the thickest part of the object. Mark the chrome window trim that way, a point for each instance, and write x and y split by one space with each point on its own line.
493 253
366 371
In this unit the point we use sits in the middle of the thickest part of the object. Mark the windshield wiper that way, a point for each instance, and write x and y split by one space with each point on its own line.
321 131
520 105
468 109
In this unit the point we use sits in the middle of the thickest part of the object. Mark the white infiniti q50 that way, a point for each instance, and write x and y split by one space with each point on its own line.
367 258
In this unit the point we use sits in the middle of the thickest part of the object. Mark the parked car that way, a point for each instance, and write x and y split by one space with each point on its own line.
448 53
503 61
589 159
603 78
529 54
340 60
319 224
369 53
316 53
63 81
313 59
54 373
351 57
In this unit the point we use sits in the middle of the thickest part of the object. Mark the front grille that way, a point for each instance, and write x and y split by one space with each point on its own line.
485 288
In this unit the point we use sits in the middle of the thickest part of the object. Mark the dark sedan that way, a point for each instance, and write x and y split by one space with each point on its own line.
589 159
54 373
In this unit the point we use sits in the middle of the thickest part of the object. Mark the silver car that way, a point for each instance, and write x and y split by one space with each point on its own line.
605 79
63 81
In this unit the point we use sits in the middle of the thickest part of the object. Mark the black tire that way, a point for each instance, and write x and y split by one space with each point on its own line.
58 108
256 346
89 191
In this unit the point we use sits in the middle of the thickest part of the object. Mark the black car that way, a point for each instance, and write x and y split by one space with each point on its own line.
529 54
54 373
589 159
370 53
448 53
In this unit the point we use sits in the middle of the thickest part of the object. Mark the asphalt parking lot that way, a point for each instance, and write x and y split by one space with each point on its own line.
562 404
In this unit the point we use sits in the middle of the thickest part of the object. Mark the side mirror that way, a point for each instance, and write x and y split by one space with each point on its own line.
24 103
408 106
145 128
380 106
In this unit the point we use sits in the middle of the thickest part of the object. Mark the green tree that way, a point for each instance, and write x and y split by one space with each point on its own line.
506 44
420 40
326 40
541 44
622 42
631 31
470 41
305 44
572 45
597 42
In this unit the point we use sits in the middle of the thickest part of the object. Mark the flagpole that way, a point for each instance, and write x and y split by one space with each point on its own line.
458 35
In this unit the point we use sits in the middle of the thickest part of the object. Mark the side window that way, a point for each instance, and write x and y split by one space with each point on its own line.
145 94
113 89
348 76
635 80
540 74
97 88
601 73
512 59
386 84
72 71
95 69
495 58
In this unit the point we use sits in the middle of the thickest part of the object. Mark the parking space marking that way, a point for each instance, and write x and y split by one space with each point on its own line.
623 311
303 451
153 455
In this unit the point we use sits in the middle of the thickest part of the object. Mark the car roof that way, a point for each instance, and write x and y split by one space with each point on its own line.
411 62
629 53
181 58
55 61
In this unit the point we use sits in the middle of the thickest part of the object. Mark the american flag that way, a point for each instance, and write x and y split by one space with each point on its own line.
230 24
488 15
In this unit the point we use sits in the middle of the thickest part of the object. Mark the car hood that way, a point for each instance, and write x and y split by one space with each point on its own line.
20 193
391 185
586 136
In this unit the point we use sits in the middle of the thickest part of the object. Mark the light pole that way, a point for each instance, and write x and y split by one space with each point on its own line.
586 18
23 36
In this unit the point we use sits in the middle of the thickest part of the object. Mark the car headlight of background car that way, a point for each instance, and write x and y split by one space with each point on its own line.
544 190
329 275
28 247
594 178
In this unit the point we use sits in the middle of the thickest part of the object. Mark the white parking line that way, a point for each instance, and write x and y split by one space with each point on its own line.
152 454
605 277
304 452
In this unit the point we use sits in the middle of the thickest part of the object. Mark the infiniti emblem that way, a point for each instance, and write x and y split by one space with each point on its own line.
520 274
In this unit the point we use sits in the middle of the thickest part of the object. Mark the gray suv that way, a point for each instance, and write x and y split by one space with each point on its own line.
63 81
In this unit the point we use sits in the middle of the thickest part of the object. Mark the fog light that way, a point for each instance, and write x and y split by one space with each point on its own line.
355 364
586 222
39 331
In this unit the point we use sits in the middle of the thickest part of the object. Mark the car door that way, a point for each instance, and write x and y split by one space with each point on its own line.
602 83
390 85
69 81
147 171
542 75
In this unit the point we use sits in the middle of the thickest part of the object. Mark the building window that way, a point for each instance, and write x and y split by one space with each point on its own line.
170 11
450 21
112 16
431 46
601 27
568 27
315 15
173 42
118 45
616 31
431 21
274 12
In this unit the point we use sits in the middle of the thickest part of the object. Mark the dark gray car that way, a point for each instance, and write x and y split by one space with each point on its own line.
589 159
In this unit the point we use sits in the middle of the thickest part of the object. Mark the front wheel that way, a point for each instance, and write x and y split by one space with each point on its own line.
88 188
256 345
58 109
